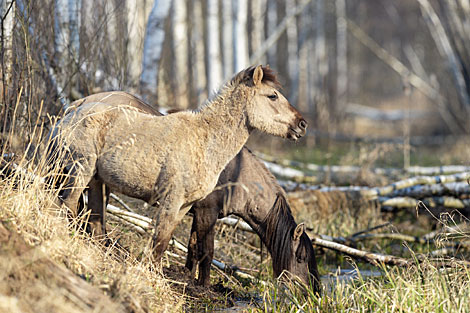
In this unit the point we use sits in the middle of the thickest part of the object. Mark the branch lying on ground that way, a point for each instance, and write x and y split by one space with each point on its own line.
374 258
430 202
420 240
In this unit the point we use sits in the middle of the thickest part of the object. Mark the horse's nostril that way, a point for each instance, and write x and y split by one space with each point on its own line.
303 124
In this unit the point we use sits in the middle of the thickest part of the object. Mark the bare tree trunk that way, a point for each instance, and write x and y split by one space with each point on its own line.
61 39
293 54
306 54
227 41
153 46
74 26
199 66
319 68
240 39
180 48
271 12
214 63
341 55
257 30
445 48
137 16
8 19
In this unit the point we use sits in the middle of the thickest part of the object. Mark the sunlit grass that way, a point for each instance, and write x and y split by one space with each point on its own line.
29 207
423 288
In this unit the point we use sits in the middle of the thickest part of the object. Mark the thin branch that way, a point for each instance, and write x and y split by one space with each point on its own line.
119 200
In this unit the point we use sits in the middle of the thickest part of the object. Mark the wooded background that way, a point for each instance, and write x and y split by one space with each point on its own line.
357 68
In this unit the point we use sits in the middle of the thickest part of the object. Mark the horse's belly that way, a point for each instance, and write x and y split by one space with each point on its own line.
133 179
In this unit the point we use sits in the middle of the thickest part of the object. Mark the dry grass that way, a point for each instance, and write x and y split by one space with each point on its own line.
28 208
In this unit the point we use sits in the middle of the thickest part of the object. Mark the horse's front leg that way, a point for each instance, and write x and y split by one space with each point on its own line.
201 242
191 258
205 248
166 220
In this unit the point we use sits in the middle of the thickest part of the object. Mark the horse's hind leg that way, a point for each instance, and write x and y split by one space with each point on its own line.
77 182
97 201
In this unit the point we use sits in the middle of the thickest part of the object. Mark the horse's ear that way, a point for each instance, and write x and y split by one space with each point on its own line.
258 75
299 230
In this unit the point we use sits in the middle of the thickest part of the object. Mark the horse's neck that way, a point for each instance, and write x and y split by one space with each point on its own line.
227 131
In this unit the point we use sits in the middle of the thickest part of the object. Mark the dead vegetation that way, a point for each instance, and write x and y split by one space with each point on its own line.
47 267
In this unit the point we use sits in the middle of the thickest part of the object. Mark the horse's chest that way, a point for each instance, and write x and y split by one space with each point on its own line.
197 189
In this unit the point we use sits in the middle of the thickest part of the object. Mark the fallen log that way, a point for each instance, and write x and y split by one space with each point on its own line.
373 258
455 189
402 237
430 202
399 186
413 181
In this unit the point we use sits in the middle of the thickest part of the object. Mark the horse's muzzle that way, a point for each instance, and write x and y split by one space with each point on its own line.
298 131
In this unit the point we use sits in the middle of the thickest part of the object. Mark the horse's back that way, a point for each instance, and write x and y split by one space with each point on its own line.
116 98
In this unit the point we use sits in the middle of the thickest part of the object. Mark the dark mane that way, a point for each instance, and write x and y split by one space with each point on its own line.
245 76
277 231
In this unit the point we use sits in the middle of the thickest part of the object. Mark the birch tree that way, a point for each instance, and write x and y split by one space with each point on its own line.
74 9
257 31
214 67
180 48
292 51
319 68
271 24
7 24
306 54
137 15
8 19
153 46
341 54
197 44
227 41
61 38
240 39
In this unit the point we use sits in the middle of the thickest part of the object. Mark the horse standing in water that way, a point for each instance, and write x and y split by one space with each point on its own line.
245 188
168 161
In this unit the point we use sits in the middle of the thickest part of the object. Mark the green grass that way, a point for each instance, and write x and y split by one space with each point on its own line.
380 155
423 288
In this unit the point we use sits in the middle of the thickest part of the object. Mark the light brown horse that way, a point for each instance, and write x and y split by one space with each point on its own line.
169 161
245 188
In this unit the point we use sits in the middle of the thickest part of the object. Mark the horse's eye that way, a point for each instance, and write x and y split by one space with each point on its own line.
273 97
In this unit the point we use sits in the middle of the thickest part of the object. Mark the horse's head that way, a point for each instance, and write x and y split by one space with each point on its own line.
302 263
267 108
291 249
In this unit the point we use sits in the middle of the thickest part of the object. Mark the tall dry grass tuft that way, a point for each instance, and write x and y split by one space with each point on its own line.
38 245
